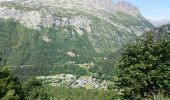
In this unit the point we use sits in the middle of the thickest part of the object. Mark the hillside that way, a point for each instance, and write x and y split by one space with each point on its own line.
162 32
159 33
36 32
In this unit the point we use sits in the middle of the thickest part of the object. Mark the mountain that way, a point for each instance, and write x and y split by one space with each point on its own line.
47 32
127 8
160 22
162 32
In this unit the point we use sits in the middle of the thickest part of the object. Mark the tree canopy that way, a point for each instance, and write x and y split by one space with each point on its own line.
144 68
10 88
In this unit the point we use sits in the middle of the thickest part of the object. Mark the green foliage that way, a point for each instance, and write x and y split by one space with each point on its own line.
11 95
159 96
58 93
10 88
23 46
144 68
1 62
30 84
104 69
25 71
32 89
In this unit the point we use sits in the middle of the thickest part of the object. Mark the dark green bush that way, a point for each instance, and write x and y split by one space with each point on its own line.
10 88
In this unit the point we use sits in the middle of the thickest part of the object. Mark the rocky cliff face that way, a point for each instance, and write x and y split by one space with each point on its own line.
126 8
83 27
100 4
35 15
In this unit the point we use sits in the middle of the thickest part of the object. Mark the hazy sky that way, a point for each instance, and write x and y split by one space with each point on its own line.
153 9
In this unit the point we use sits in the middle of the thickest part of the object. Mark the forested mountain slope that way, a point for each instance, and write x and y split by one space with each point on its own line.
47 32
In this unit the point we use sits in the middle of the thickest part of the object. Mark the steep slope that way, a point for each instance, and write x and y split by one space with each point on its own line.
162 32
58 31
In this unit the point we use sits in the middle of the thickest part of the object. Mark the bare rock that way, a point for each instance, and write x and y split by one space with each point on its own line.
126 8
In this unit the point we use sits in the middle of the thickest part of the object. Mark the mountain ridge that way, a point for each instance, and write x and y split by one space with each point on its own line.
107 5
66 33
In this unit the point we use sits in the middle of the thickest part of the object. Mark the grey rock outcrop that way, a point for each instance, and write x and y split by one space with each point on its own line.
34 19
102 4
29 19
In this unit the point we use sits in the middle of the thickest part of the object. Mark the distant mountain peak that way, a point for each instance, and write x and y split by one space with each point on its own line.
128 8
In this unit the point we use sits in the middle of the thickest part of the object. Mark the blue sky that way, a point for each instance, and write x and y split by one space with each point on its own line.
153 9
